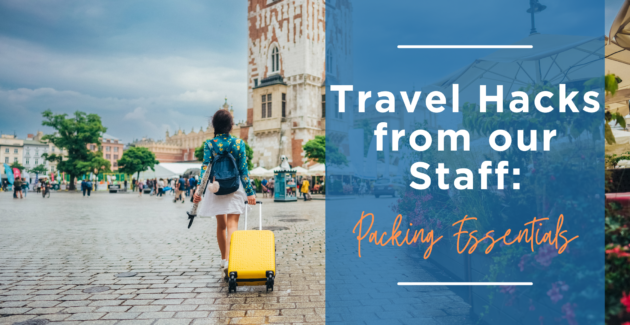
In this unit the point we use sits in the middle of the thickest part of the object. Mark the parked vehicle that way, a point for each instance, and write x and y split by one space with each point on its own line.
388 186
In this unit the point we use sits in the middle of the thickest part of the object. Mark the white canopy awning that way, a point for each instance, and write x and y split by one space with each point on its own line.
260 172
553 59
167 170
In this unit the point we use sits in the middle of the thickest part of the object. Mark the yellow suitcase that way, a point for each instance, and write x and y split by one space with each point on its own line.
252 257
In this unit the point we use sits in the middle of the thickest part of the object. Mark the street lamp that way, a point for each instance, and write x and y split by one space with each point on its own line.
534 7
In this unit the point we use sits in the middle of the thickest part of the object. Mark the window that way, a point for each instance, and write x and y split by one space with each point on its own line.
115 149
6 160
6 150
266 106
115 164
108 149
15 151
36 162
116 157
323 105
255 82
108 156
15 159
275 60
52 149
92 147
26 161
284 105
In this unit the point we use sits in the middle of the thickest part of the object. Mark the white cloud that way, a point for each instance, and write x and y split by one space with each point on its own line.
137 114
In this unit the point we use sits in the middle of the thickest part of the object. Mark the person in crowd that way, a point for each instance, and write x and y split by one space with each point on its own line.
193 185
270 186
160 186
305 188
227 208
187 178
25 186
299 186
140 185
181 188
133 184
125 183
265 189
17 188
83 187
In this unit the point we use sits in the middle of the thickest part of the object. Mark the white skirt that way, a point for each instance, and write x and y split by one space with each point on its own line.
233 203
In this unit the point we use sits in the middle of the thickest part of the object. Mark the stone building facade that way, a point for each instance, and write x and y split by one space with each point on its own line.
180 147
285 78
286 97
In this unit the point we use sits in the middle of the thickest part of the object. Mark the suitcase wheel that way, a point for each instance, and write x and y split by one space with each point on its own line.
232 282
270 278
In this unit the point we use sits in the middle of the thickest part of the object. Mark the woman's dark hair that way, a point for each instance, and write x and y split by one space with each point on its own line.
222 122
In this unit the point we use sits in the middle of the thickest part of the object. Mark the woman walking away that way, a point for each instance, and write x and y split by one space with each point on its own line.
227 208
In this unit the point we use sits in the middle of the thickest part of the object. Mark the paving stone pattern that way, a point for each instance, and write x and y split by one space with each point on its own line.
58 254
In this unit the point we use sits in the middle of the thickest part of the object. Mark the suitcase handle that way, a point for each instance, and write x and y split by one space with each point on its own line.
259 215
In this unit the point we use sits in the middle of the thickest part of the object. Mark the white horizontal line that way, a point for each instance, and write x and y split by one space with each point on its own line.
465 283
465 46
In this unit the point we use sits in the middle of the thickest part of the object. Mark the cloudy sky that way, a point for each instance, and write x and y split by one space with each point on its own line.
144 66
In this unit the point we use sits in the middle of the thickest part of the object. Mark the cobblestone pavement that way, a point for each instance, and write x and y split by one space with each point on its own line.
59 260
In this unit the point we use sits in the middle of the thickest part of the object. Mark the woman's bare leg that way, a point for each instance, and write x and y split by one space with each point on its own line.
221 239
232 226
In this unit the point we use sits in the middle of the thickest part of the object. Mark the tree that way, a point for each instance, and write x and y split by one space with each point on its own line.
17 165
136 160
316 149
72 134
39 169
249 152
96 164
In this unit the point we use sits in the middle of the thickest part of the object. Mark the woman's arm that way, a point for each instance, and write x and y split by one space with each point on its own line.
241 163
207 157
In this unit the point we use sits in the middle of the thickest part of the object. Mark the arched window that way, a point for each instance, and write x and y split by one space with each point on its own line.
275 59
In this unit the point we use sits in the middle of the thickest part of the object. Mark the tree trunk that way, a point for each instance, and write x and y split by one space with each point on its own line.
71 186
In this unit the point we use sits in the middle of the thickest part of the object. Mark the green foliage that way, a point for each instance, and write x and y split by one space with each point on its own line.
95 164
619 119
316 149
136 160
613 160
39 169
72 134
249 153
199 152
612 83
17 165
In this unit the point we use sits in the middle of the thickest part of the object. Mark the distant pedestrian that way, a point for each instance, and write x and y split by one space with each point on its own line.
17 188
193 185
305 188
140 185
125 182
270 185
25 186
181 187
160 187
134 183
